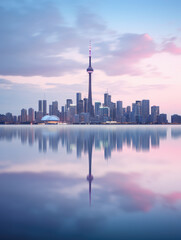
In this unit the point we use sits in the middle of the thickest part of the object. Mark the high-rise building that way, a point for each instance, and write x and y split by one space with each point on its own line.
78 98
85 105
112 107
128 114
133 113
90 71
175 118
44 107
63 114
55 108
107 100
145 110
138 111
119 111
9 117
40 109
50 110
31 115
68 102
80 106
104 114
38 116
97 107
154 114
162 118
23 115
71 113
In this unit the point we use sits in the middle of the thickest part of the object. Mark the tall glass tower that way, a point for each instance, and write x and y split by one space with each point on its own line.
90 71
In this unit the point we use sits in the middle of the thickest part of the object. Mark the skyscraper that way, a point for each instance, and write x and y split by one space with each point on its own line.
80 106
55 108
119 112
154 114
97 106
31 115
90 71
85 105
138 112
23 115
44 107
107 100
40 106
145 110
50 109
78 98
68 102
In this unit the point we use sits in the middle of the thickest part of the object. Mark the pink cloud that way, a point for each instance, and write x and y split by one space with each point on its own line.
130 50
172 48
173 198
132 197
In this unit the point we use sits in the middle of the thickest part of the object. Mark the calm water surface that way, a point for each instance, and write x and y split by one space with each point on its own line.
90 182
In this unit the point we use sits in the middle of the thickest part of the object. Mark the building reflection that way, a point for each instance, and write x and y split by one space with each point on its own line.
108 138
90 176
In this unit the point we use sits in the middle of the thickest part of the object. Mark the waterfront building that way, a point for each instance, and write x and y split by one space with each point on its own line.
40 109
78 98
68 102
154 114
104 114
44 107
97 107
23 115
80 107
119 111
50 110
145 110
162 118
85 103
31 115
175 119
55 108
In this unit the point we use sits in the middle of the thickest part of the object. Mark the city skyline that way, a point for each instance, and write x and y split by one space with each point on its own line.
44 52
84 112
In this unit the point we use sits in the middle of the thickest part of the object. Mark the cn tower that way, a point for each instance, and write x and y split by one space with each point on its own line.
90 71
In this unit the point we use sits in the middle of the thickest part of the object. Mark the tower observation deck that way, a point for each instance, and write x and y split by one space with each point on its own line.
90 71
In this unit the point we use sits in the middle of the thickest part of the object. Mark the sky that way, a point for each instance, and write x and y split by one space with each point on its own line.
136 52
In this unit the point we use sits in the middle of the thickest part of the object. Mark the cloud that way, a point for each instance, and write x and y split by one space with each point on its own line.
131 197
90 22
35 40
172 48
33 37
129 51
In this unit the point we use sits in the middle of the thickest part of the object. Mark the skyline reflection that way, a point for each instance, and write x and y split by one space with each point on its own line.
50 176
110 139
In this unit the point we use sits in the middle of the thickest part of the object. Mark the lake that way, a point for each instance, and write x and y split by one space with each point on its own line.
90 182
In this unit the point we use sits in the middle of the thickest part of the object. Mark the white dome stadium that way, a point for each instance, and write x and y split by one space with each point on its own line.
47 118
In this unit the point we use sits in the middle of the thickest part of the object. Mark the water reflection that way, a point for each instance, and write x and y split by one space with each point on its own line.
139 190
176 132
108 138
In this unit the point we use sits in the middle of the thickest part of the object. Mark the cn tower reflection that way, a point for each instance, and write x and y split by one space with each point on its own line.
90 177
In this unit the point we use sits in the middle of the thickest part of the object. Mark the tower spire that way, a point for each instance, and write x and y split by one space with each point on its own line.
89 48
90 71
